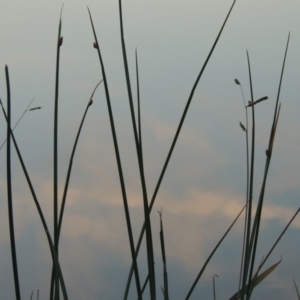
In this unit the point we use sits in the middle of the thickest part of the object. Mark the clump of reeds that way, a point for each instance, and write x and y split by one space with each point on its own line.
249 277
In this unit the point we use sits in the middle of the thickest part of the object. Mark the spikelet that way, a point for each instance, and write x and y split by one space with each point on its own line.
60 41
95 45
34 108
243 127
257 101
237 82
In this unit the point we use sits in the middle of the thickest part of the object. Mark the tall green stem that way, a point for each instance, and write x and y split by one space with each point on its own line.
118 159
174 143
55 158
149 243
50 242
250 195
9 192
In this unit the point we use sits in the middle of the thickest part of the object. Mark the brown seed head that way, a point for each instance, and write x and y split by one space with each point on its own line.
237 82
95 45
257 101
60 41
34 108
243 127
90 102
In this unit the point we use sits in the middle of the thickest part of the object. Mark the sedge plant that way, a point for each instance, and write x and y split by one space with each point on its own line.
249 276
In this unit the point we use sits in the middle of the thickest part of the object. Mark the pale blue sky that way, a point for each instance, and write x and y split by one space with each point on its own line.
204 185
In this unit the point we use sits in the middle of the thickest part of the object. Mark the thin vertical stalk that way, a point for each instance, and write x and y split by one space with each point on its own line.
269 151
163 253
248 249
138 103
281 77
256 223
149 242
247 186
251 183
9 192
174 143
55 155
122 183
63 202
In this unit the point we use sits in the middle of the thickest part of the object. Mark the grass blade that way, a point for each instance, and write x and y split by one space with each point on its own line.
272 134
138 99
281 76
296 289
247 254
9 192
245 129
255 281
149 242
138 105
251 242
174 143
273 247
187 106
163 253
122 183
63 202
55 158
279 238
256 224
211 255
71 162
263 275
145 284
50 242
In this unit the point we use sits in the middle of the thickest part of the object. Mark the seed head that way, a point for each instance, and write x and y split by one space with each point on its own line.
90 102
237 82
95 45
243 127
34 108
257 101
60 41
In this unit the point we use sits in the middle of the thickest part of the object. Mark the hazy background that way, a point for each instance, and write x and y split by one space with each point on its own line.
204 186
